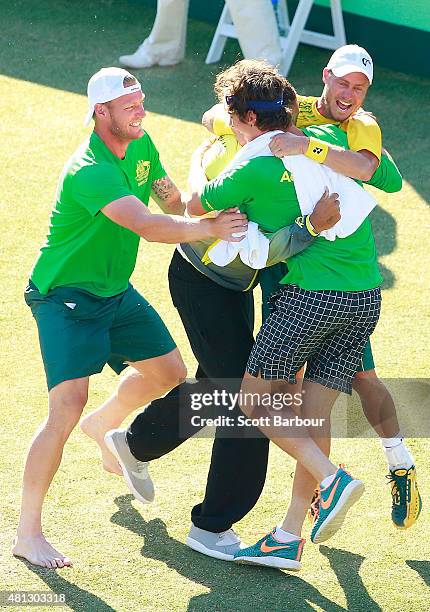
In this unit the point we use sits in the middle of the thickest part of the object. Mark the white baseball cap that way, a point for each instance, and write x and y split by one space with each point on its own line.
351 58
105 85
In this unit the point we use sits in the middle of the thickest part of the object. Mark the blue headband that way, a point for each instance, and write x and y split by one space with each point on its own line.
259 105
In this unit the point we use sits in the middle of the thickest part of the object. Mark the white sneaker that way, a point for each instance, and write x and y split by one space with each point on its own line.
144 58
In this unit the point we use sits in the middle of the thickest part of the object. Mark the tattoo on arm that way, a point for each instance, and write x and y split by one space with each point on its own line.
163 189
167 196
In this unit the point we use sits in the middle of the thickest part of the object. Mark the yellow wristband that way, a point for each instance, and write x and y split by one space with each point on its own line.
310 227
317 150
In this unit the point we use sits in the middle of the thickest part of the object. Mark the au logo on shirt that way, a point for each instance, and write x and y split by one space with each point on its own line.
287 176
142 171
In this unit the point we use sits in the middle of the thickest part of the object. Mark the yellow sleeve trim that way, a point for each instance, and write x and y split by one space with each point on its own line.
364 134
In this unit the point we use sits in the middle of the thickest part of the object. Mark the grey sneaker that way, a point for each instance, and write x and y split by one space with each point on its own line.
135 472
218 545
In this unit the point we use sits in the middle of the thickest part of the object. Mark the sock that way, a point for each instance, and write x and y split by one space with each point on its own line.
285 536
327 481
397 453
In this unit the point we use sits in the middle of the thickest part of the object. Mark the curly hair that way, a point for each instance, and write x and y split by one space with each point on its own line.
256 81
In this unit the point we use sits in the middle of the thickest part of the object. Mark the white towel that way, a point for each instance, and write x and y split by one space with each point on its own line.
310 180
253 250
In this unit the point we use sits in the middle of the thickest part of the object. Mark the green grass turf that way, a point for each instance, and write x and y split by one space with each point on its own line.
133 558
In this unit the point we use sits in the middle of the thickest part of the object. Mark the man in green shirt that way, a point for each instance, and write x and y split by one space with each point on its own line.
87 312
323 318
347 78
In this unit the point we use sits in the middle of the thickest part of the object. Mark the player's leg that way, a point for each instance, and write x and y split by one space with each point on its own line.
379 409
377 402
66 402
165 45
157 430
256 29
243 459
142 382
74 344
303 327
219 323
140 339
317 405
283 547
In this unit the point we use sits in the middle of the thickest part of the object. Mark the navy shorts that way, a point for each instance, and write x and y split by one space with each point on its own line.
328 330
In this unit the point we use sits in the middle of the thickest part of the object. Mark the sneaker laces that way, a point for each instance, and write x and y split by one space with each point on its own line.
314 508
400 487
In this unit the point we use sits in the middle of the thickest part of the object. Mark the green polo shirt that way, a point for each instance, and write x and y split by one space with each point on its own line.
264 190
84 248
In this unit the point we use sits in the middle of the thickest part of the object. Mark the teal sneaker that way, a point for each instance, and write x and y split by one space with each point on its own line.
272 553
334 502
407 502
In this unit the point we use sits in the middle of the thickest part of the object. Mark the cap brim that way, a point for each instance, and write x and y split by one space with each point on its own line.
344 70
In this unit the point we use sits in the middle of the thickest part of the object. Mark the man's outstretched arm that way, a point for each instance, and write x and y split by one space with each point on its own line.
131 213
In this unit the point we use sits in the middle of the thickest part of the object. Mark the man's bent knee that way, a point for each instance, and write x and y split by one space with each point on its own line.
174 371
66 402
168 370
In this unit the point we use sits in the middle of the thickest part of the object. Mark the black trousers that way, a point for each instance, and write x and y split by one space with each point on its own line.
219 325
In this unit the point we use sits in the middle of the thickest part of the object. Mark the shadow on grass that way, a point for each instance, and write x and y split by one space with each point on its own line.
236 587
422 568
61 44
76 598
346 566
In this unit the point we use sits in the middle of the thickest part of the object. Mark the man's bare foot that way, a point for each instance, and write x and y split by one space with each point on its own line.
39 551
91 426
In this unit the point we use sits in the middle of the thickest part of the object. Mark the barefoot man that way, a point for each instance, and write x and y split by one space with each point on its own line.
87 312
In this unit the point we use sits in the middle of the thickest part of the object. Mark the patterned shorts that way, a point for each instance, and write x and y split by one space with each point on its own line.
327 330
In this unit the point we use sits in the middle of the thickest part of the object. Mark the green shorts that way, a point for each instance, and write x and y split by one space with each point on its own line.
366 362
269 281
80 332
